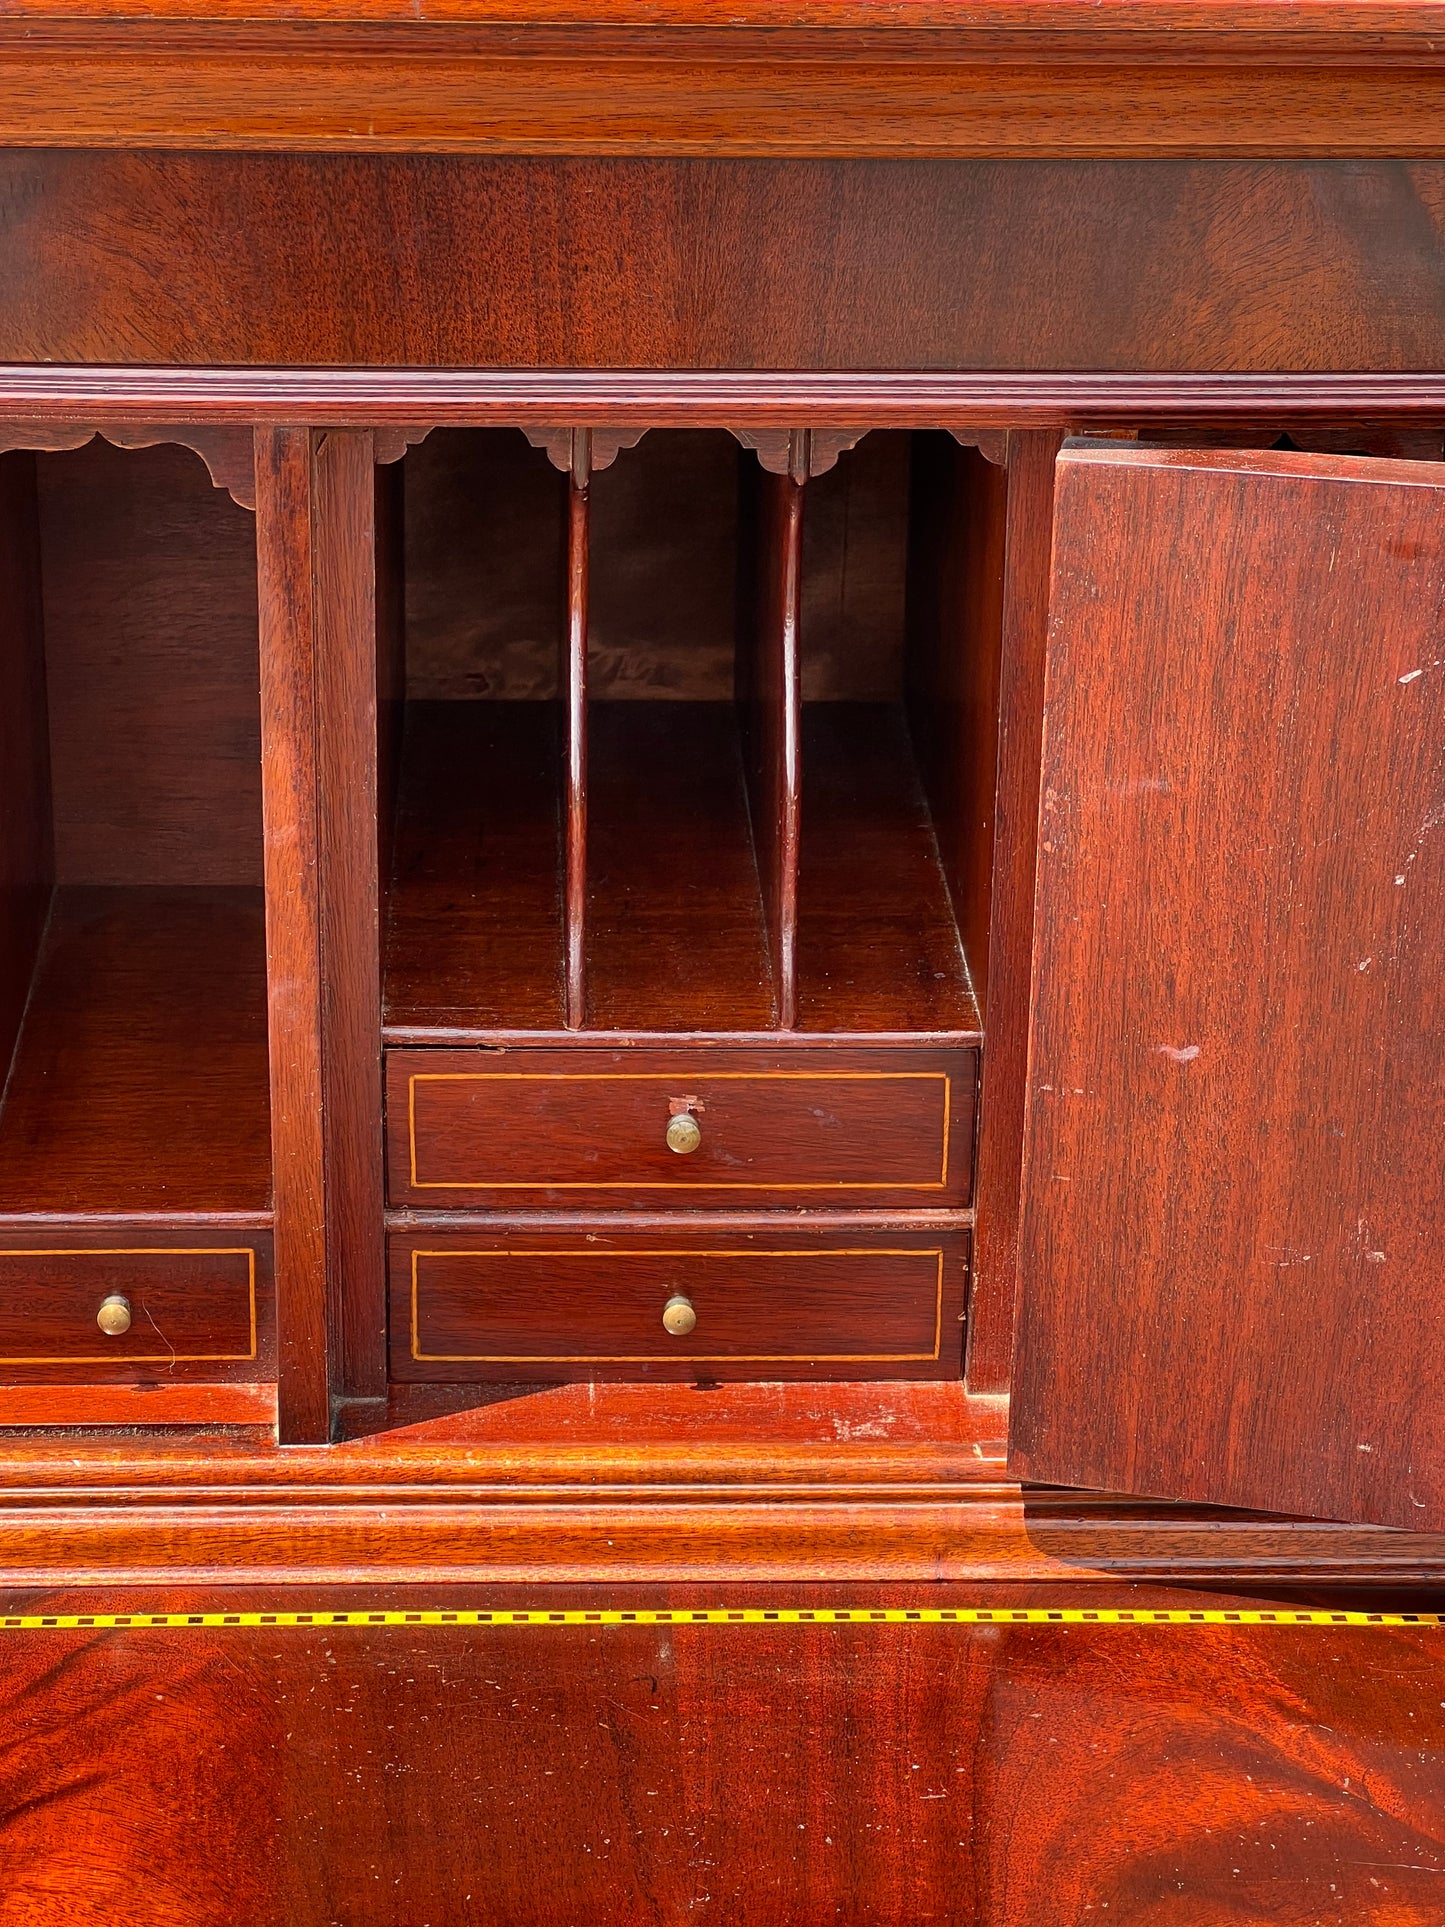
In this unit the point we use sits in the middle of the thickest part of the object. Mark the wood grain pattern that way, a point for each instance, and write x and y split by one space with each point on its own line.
677 933
643 1484
1028 536
190 1402
966 1777
27 865
389 399
289 533
572 681
585 1128
345 610
781 85
511 1302
878 265
139 1084
1239 846
956 589
475 930
878 947
200 1299
149 580
769 694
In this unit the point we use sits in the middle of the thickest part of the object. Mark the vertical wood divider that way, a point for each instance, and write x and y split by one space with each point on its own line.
1028 543
579 478
316 567
770 701
27 852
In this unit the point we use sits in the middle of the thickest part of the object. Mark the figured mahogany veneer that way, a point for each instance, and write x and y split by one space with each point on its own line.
771 1301
585 1128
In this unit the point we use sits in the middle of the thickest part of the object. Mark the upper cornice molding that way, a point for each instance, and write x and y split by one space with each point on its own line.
817 78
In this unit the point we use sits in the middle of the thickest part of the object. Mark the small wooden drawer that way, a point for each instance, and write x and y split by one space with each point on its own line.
589 1128
765 1303
124 1310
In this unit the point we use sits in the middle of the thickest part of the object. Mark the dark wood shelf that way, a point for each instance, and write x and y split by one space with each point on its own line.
140 1084
474 936
676 937
878 945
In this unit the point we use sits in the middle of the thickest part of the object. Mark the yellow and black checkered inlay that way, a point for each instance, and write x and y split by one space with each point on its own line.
542 1617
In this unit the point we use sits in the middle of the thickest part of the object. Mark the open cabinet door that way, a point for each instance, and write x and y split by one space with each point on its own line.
1233 1257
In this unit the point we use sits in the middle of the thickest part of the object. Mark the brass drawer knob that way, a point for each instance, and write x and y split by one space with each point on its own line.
678 1316
684 1133
114 1315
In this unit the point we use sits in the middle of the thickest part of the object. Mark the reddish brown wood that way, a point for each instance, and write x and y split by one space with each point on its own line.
192 1402
391 609
226 449
151 659
650 1483
139 1084
878 945
26 844
1243 1236
956 588
345 610
513 1302
769 696
289 534
583 451
1028 535
475 932
200 1300
788 81
1111 403
907 266
581 1129
966 1776
574 684
677 935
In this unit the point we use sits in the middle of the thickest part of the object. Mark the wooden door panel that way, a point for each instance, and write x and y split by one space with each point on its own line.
1231 1265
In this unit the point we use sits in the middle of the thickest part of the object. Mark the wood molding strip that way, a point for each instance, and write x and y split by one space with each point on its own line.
309 84
725 398
990 1532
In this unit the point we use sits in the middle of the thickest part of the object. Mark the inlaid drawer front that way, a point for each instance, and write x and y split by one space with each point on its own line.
766 1303
617 1128
158 1307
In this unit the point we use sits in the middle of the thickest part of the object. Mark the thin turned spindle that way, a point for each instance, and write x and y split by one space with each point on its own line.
578 519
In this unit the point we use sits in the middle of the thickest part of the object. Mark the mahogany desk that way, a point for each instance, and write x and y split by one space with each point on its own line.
722 791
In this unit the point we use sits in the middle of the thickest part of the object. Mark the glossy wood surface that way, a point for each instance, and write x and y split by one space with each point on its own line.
780 80
677 936
475 927
586 1128
878 947
572 683
1028 537
643 1483
139 1083
586 1301
1239 846
347 610
200 1304
316 494
875 265
967 1777
769 690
